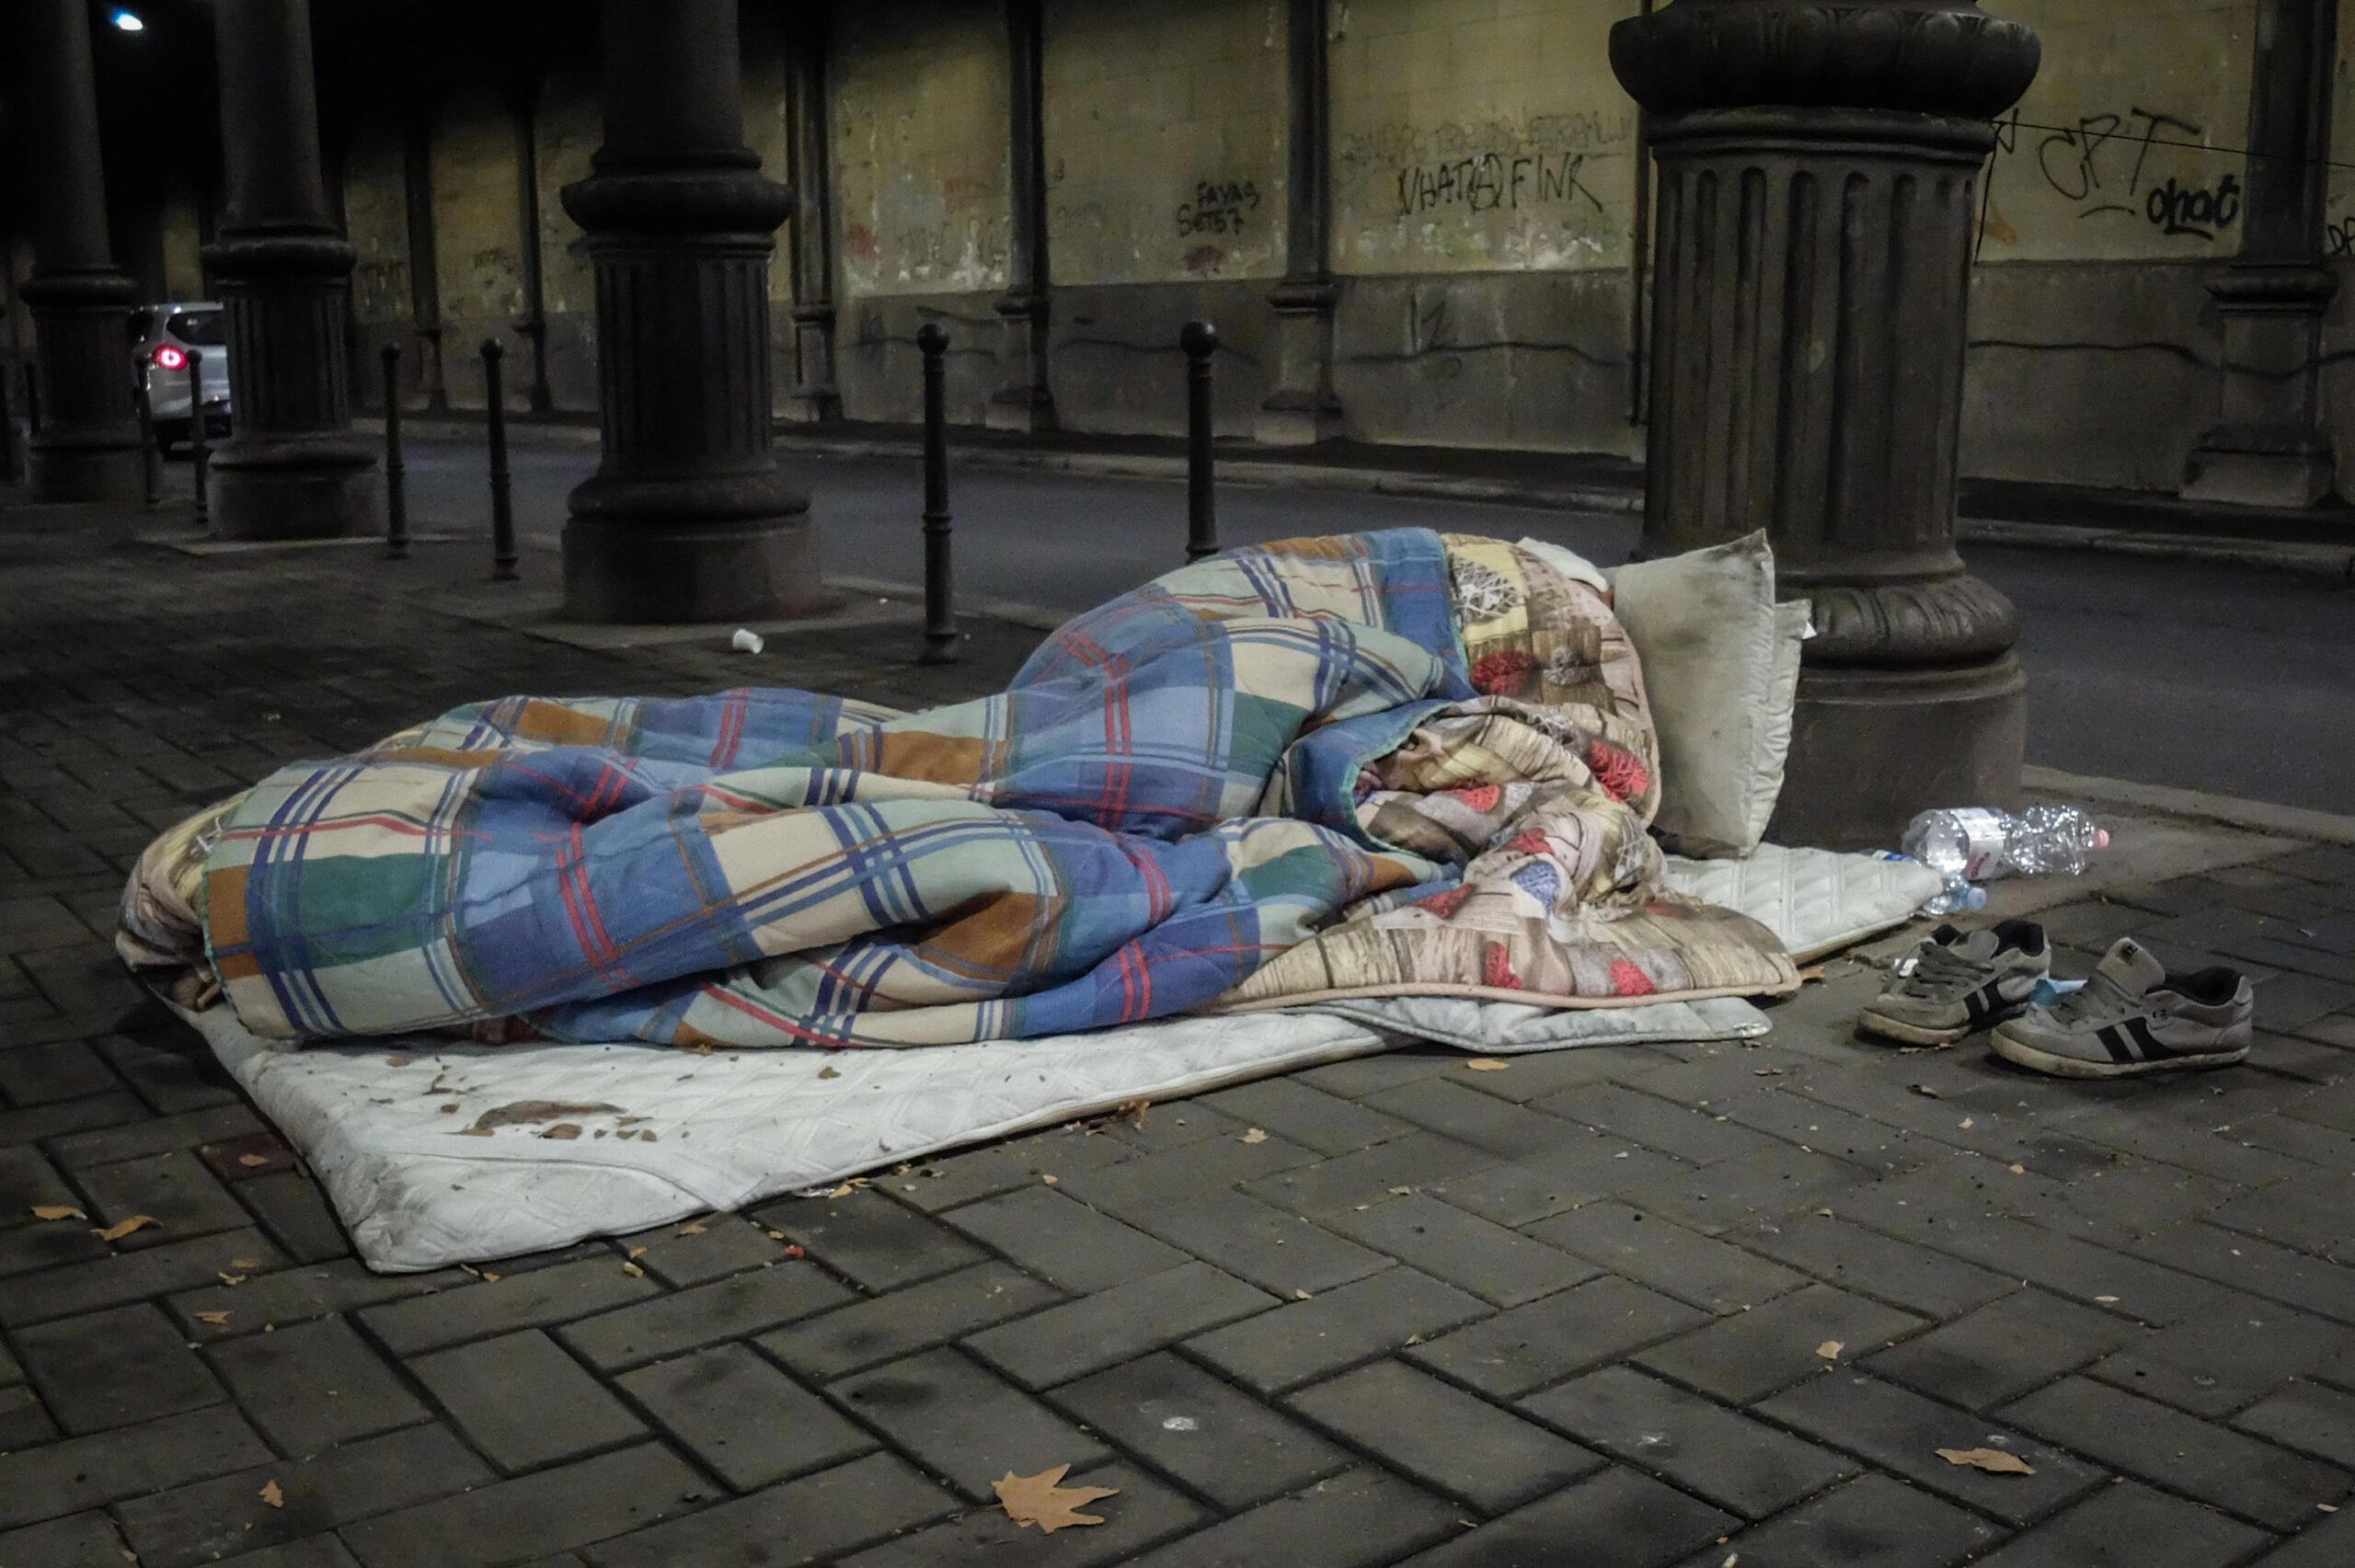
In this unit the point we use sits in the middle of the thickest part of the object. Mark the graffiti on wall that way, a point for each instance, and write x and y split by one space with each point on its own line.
1511 189
2106 167
1218 207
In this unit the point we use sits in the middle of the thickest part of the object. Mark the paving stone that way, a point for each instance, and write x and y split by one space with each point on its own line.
173 1189
1361 1076
1150 1182
1417 1161
294 1212
1550 1339
82 1473
325 1551
1475 1255
1695 1136
2309 1417
1522 1191
1311 1117
24 1421
173 1073
1362 1519
2132 1527
1191 1425
726 1309
748 1422
1673 1260
1897 1430
1144 1513
1302 1341
1734 1192
725 1246
1872 1522
960 1422
1178 1126
1820 1128
864 1334
821 1517
297 1295
479 1309
2236 1473
79 1541
27 1178
153 1135
551 1510
203 1522
525 1403
2327 1543
1736 1463
110 1281
1744 1357
2225 1359
1273 1249
1446 1438
1899 1273
1458 1111
1616 1519
2078 1269
1099 1331
113 1368
869 1240
2259 1266
1063 1241
948 1181
62 1070
311 1386
2001 1350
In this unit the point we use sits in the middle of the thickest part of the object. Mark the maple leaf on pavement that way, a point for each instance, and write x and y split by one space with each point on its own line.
1043 1499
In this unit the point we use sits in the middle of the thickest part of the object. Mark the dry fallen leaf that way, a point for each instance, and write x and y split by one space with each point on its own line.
829 1072
1993 1460
1050 1181
694 1230
1925 1092
2106 1301
270 1494
474 1132
2019 1170
635 1252
1965 1124
1254 1135
398 1061
57 1211
227 1278
1830 1349
1401 1192
633 1271
116 1232
1043 1499
2327 1508
1486 1064
563 1131
1299 1295
215 1319
248 1264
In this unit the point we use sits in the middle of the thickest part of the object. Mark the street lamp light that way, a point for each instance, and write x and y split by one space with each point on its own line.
126 21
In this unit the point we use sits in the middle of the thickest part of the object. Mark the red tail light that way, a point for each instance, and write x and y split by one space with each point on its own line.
169 358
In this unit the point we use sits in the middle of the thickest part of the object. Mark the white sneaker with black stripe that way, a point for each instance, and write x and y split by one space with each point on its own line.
2132 1017
1959 983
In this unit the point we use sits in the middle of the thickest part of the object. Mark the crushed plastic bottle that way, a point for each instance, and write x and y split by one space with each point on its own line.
1955 893
1973 844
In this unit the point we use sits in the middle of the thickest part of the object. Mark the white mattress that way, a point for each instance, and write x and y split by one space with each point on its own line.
733 1128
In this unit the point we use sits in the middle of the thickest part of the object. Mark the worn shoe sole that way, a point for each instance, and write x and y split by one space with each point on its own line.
2021 1054
1906 1033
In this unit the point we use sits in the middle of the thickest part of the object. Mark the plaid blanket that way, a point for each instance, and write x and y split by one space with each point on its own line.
1308 754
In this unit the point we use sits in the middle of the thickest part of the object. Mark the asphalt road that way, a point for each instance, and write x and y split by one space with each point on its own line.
2234 682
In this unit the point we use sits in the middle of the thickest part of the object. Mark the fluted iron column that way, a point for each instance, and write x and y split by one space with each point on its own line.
816 396
687 518
1024 401
1301 409
292 468
87 447
1818 171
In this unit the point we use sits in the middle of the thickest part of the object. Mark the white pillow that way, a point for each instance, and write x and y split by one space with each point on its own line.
1721 662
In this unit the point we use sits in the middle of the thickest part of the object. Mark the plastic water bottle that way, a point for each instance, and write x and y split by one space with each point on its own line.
1973 844
1957 894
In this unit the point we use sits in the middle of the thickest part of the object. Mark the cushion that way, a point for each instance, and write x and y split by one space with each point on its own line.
1720 661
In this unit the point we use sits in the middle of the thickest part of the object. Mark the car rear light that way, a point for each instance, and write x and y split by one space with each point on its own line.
169 358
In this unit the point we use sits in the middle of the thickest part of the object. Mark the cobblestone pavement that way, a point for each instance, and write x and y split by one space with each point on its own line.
1613 1308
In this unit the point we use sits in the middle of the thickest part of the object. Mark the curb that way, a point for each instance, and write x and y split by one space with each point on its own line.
2231 811
2331 563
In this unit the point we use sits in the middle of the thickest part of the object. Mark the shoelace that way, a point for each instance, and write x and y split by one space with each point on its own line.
2101 999
1940 972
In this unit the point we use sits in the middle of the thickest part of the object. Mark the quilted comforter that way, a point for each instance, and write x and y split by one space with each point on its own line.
1373 764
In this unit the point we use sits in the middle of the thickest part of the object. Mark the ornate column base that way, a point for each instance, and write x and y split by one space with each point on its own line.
1869 747
2269 449
322 487
651 553
815 399
1302 410
87 448
1023 404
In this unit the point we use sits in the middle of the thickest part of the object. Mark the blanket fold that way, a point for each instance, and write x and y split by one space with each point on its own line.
1381 763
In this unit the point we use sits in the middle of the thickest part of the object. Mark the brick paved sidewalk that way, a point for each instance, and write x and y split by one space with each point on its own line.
1614 1307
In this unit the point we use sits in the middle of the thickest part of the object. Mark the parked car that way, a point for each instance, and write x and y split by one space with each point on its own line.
161 337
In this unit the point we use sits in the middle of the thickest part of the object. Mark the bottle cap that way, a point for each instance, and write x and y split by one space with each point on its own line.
2101 838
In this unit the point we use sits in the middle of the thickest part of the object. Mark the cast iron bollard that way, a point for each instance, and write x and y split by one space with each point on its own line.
396 476
1200 339
939 589
149 449
200 450
502 507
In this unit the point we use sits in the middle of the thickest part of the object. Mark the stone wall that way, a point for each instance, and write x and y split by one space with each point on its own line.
1484 224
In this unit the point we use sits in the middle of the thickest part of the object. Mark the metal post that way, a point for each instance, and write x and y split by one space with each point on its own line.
7 424
939 589
149 449
395 490
502 507
1200 339
200 449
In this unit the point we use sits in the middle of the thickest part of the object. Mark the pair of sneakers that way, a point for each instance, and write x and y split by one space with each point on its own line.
2132 1017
